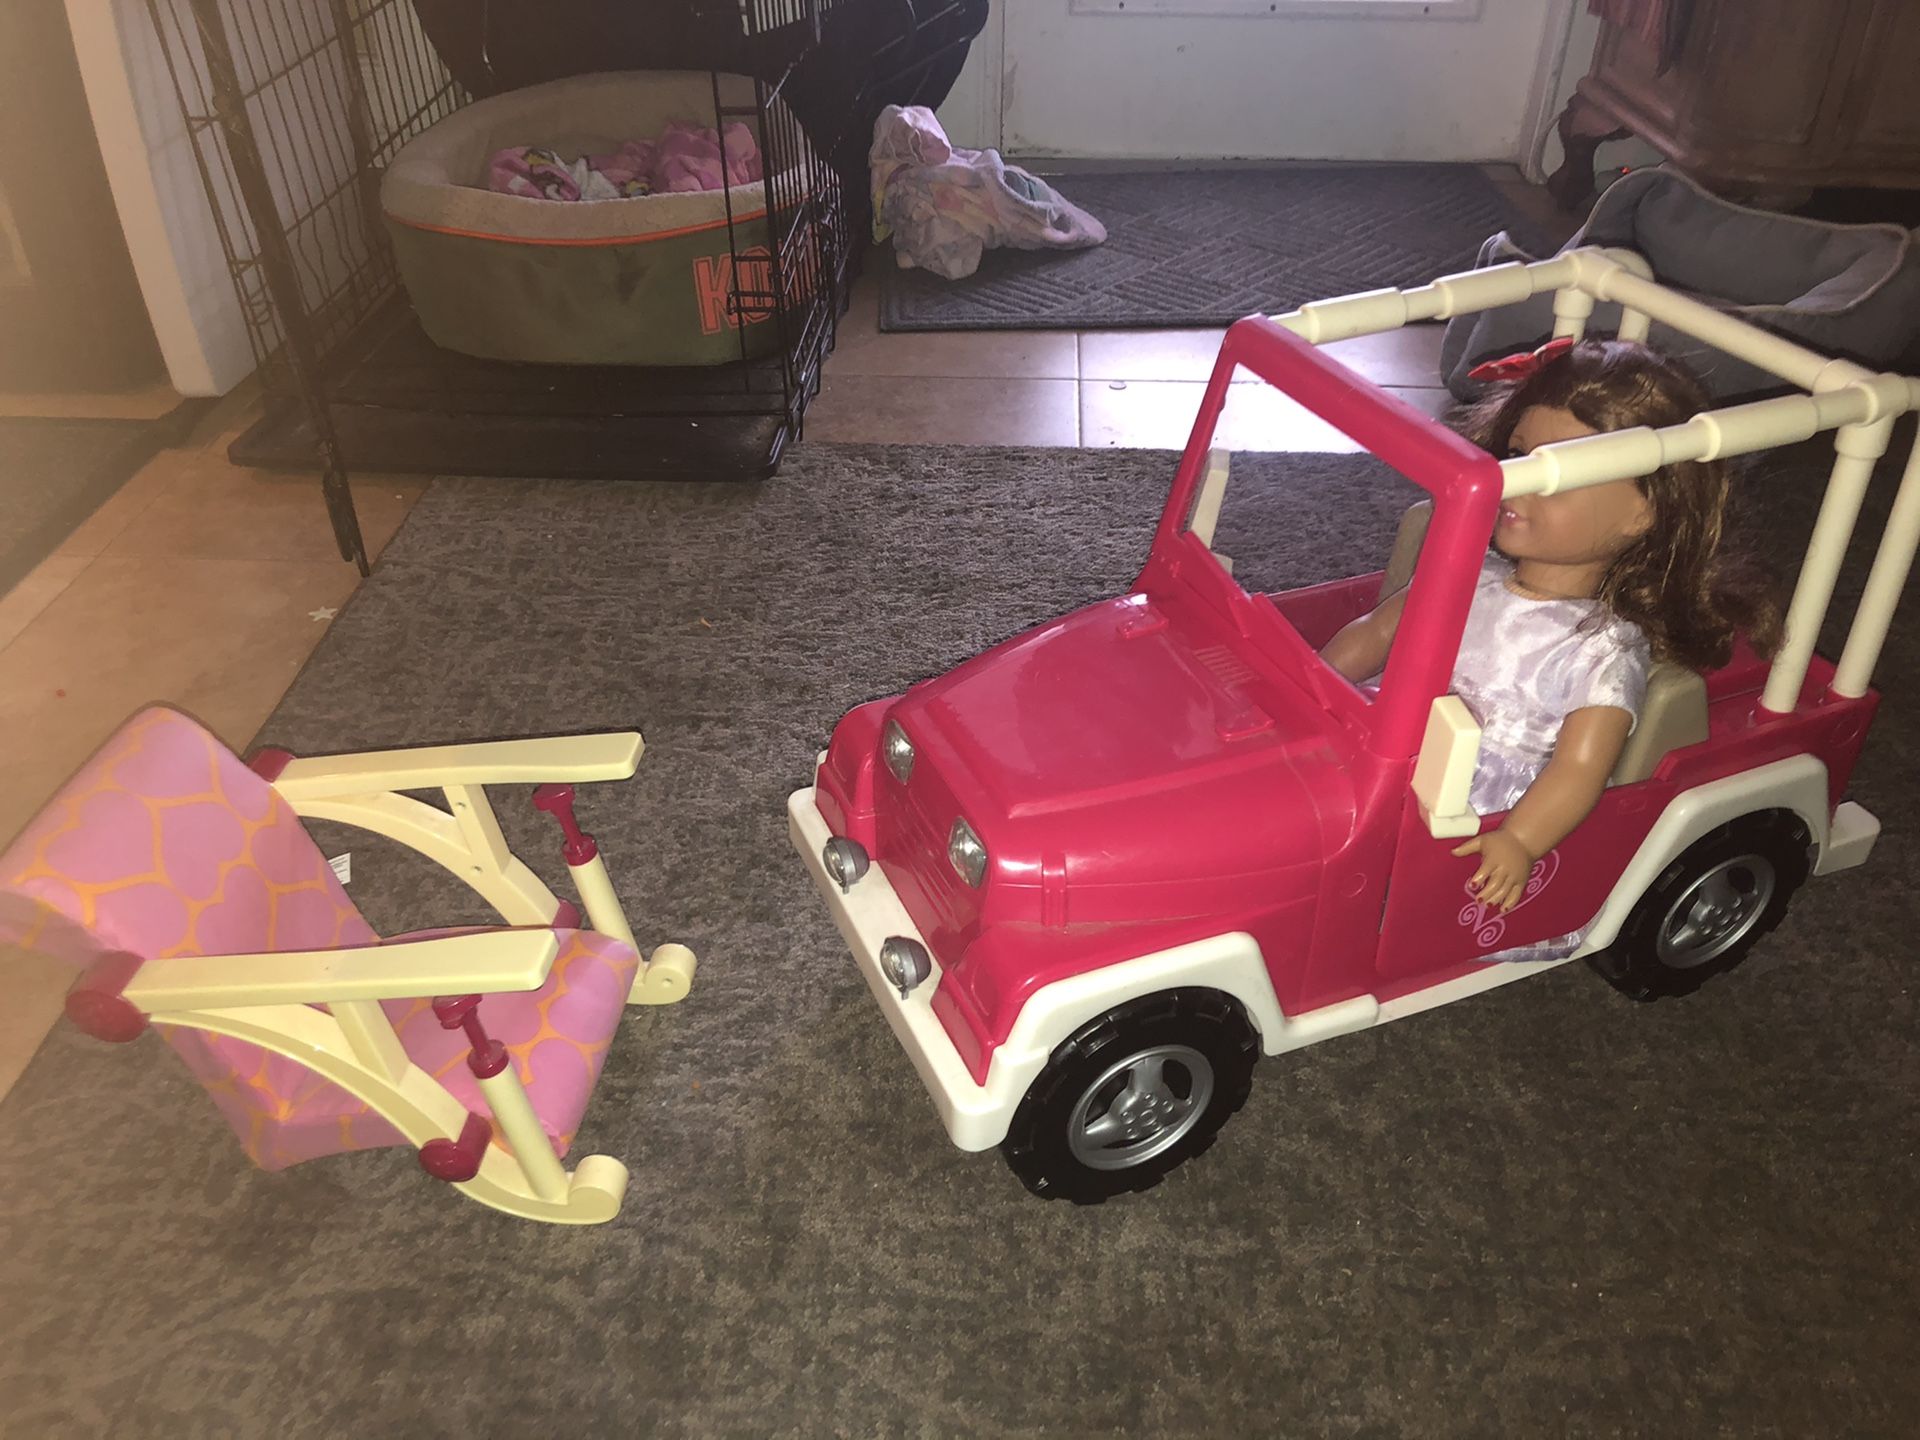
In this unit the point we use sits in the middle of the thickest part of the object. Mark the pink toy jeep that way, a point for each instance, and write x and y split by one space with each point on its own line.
1094 873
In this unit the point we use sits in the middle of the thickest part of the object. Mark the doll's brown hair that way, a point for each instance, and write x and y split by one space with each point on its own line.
1672 582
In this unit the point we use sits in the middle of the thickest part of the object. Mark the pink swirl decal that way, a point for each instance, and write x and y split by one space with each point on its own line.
1487 924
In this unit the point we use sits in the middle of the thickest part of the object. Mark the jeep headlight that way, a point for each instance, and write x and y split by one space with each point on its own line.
897 750
905 963
968 855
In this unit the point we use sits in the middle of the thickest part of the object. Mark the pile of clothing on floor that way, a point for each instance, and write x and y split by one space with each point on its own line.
944 207
686 157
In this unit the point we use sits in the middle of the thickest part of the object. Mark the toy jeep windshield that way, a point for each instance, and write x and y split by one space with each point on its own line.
1094 873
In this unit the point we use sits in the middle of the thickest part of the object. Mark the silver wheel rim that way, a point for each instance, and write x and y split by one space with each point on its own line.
1716 912
1140 1107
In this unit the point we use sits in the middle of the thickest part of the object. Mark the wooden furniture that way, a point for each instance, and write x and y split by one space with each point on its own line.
1762 98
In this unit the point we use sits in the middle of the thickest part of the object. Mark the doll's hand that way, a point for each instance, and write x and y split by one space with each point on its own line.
1505 863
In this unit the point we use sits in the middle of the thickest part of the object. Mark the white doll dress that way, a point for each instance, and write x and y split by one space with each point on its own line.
1524 666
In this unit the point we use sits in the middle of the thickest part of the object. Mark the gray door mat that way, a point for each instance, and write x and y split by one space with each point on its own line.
1688 1218
1205 247
54 473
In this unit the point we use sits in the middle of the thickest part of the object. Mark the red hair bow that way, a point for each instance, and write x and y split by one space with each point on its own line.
1523 365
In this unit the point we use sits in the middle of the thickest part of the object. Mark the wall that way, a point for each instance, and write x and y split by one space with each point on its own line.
70 310
158 193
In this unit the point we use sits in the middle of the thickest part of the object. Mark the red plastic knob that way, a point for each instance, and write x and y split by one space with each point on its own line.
554 799
557 801
270 762
487 1057
458 1160
97 1005
452 1010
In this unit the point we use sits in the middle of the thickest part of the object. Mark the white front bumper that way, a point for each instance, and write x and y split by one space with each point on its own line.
976 1116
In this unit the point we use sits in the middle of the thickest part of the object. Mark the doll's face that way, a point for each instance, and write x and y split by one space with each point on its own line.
1578 527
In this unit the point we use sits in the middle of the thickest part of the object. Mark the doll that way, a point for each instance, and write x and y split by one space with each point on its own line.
1580 593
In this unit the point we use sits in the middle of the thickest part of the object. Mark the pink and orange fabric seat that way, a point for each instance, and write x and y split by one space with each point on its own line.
167 845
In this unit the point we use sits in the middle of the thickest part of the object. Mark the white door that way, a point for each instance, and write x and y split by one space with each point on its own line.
1269 79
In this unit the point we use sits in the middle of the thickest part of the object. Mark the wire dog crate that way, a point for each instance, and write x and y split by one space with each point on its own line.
296 107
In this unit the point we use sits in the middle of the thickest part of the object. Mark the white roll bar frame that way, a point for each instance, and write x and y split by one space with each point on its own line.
1859 405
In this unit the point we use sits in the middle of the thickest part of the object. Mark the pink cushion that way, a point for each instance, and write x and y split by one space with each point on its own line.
165 844
283 1112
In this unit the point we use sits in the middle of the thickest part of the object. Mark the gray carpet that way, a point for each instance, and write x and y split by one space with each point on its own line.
1204 247
1543 1211
55 473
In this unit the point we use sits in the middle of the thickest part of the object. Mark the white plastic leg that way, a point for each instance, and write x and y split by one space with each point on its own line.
590 1196
513 1113
665 978
603 906
661 980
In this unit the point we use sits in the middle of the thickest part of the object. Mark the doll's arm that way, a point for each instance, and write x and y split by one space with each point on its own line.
1561 796
1361 647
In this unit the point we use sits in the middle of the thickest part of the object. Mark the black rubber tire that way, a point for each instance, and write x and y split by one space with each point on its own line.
1755 852
1039 1146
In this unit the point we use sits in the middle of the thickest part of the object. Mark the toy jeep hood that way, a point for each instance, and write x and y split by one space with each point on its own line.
1173 741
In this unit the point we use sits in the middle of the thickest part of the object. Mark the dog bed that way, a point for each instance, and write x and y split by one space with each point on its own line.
641 281
1851 290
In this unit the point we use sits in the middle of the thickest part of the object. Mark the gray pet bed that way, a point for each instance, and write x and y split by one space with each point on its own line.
1851 290
643 281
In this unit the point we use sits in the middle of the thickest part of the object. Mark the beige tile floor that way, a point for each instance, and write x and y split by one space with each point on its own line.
206 586
1097 388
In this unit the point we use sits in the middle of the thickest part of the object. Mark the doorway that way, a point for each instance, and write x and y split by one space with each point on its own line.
1356 80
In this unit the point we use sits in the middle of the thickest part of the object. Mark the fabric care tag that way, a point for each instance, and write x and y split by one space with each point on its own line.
343 867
